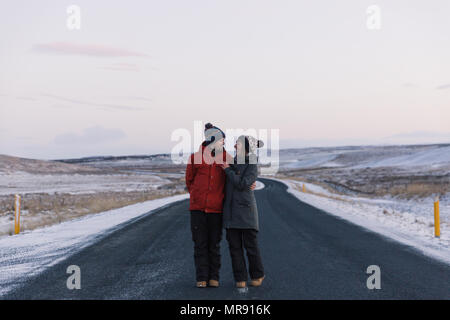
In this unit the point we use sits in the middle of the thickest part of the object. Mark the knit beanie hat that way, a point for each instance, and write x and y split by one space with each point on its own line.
251 143
212 133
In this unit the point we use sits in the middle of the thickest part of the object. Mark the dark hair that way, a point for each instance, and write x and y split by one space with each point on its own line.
244 141
247 146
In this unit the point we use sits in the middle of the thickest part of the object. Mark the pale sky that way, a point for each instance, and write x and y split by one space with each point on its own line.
138 70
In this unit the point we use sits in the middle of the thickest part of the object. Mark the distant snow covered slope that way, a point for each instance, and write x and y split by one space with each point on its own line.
365 157
310 161
10 164
434 157
24 182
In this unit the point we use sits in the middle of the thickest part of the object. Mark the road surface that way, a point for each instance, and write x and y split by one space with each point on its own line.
307 254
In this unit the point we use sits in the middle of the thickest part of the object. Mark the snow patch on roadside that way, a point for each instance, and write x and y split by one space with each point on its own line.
259 185
403 226
29 253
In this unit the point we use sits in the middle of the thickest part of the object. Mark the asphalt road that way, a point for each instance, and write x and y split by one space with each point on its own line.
307 254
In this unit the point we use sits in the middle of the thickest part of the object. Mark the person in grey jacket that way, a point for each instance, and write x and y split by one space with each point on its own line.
240 213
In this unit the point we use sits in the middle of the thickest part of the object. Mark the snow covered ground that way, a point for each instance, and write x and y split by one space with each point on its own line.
366 157
259 185
431 158
409 222
31 252
23 182
54 197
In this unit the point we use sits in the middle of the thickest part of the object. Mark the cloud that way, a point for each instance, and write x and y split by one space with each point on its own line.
27 98
139 98
421 134
418 137
122 67
24 138
94 50
94 104
443 87
93 135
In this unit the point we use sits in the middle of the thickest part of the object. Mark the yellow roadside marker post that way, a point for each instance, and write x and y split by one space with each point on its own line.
17 214
303 188
437 230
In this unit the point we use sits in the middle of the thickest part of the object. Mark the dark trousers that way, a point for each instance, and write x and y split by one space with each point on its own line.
206 233
238 239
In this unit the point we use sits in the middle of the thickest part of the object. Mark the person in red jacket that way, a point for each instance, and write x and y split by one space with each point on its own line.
205 181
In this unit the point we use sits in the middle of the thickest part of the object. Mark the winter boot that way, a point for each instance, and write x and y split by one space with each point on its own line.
257 282
213 283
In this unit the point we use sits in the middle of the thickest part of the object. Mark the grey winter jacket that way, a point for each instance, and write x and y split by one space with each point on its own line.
239 210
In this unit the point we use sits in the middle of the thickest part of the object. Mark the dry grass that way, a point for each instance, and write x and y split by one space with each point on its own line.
374 183
42 210
317 183
417 189
299 187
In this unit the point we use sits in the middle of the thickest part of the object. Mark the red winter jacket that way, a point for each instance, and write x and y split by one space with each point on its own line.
205 180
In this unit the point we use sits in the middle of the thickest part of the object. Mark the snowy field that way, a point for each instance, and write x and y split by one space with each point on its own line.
24 182
31 252
54 191
425 156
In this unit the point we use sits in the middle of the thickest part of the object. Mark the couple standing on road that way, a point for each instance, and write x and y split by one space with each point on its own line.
221 196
